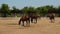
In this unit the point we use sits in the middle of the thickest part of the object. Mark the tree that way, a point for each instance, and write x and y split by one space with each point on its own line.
4 10
14 11
59 11
25 10
31 10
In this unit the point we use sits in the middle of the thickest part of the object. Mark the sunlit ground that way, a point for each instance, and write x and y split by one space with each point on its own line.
10 25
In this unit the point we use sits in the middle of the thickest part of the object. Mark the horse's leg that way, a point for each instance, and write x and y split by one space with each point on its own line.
50 19
27 23
35 20
31 20
53 20
22 23
19 21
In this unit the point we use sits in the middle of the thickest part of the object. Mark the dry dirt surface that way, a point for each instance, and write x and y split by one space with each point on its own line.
9 25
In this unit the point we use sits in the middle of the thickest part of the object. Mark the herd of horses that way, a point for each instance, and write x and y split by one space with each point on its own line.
29 18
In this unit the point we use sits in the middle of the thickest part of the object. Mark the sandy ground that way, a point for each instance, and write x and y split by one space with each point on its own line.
44 26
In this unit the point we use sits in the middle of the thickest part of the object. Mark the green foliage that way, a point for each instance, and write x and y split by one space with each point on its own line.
5 10
25 9
43 10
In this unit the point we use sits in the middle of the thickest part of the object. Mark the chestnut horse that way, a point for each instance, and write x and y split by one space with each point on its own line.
24 18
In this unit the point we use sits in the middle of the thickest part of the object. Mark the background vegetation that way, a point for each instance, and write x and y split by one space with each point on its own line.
5 10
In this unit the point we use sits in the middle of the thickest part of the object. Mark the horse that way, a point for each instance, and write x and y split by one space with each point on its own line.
24 18
51 16
34 17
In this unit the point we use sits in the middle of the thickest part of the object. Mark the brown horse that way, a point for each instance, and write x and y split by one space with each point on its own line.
24 18
51 16
34 17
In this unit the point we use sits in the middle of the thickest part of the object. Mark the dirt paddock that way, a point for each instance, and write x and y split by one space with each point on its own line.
9 25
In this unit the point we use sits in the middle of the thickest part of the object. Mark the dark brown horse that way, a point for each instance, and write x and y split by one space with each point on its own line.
34 17
51 16
24 18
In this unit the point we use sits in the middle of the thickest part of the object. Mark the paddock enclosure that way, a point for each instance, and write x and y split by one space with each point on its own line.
9 25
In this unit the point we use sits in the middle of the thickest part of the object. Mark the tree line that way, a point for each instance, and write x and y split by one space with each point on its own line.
5 10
